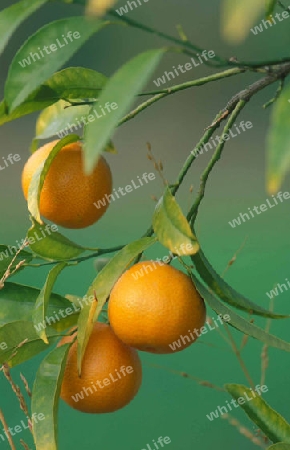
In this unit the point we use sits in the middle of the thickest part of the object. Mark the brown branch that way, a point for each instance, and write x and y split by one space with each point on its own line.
6 429
24 445
243 430
18 393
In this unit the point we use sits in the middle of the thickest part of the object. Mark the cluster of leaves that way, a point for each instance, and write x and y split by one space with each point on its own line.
42 87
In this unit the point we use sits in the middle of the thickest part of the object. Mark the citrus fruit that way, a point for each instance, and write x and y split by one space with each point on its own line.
69 196
111 373
152 305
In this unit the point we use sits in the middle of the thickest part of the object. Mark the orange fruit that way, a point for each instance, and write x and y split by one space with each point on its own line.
111 373
68 194
151 306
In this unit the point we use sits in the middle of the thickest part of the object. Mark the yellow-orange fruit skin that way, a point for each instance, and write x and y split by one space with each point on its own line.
105 354
69 195
151 306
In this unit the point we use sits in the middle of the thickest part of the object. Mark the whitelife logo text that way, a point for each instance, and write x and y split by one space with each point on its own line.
49 49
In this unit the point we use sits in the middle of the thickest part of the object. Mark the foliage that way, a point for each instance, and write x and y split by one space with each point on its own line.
63 96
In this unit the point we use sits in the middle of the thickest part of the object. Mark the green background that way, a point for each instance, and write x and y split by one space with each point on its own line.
168 404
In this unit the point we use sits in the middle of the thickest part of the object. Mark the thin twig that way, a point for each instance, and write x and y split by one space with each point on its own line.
158 165
26 386
234 258
264 354
100 252
240 359
277 95
216 156
24 444
18 393
243 430
6 429
190 377
8 273
192 49
189 48
173 89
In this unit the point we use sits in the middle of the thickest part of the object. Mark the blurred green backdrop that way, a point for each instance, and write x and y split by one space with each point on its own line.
169 405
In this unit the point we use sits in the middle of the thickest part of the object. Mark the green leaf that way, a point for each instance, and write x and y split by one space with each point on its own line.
53 246
38 178
23 78
172 228
12 17
278 143
272 424
238 17
239 322
45 397
102 286
76 82
270 6
225 292
18 302
60 119
68 84
42 301
279 446
120 91
22 342
7 253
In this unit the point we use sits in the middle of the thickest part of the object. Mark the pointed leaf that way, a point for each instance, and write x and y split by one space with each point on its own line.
22 342
278 143
119 93
239 322
38 178
172 228
225 292
42 301
238 17
52 246
24 77
68 84
272 424
60 119
18 301
45 397
101 288
12 17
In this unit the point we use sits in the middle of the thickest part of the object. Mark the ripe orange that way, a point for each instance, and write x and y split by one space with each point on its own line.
68 194
111 373
151 306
